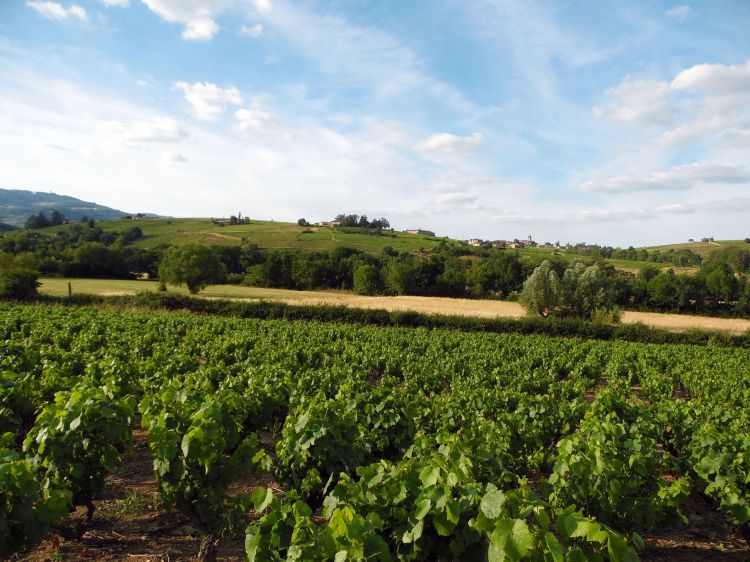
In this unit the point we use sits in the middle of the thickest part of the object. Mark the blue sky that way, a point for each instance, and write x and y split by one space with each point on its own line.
611 122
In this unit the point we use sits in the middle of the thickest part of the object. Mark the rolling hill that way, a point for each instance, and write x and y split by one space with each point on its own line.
16 205
270 234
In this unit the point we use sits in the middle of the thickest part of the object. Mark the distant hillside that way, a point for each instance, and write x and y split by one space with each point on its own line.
704 248
16 205
270 234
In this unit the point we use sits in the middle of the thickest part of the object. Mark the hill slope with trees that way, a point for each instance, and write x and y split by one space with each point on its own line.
16 205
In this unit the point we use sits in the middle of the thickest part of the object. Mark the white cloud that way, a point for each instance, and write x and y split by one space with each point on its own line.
54 10
116 3
197 16
158 129
447 143
641 102
679 178
714 79
252 30
202 28
680 13
207 100
253 117
699 102
263 7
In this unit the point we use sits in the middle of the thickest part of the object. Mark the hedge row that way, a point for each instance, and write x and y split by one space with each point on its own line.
266 310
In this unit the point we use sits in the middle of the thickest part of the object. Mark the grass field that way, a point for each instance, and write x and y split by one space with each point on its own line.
425 305
266 234
631 266
703 248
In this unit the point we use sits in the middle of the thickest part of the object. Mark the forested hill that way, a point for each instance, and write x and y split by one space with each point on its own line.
16 205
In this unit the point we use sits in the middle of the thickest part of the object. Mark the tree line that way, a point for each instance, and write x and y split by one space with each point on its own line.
84 249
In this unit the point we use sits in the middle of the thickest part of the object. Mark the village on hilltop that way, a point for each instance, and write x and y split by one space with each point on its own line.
515 243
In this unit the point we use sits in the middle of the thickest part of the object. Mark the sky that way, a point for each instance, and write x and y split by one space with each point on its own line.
620 123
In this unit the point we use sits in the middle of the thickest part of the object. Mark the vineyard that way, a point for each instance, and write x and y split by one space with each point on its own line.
370 443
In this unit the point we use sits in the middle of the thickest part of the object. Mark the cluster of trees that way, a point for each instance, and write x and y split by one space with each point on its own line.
362 221
681 258
715 287
392 273
41 220
582 291
597 290
82 250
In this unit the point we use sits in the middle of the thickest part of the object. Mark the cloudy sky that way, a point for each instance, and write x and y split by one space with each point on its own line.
608 121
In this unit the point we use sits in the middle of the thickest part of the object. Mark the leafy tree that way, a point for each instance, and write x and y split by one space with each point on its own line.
37 221
452 281
501 273
587 289
57 218
743 299
662 290
303 222
18 283
97 260
398 277
193 265
721 284
367 280
541 291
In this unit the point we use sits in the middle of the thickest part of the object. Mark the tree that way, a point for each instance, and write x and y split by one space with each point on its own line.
452 281
18 283
193 265
399 277
594 293
366 280
541 291
721 284
303 222
662 290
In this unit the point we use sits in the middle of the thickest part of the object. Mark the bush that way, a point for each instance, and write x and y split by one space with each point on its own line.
18 283
75 439
26 514
199 447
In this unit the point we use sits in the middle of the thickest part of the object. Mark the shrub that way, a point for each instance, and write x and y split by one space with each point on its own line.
26 513
75 439
18 283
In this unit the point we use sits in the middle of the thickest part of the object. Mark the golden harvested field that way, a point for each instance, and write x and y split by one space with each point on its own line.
426 305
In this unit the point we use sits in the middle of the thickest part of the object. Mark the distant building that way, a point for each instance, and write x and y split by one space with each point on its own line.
328 223
420 231
474 242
